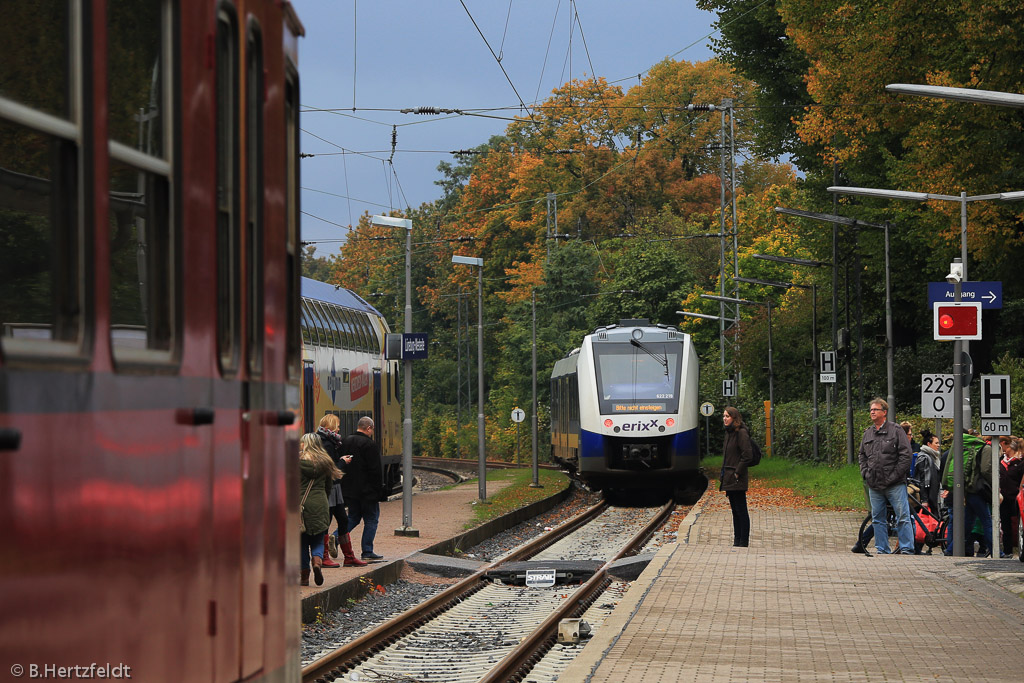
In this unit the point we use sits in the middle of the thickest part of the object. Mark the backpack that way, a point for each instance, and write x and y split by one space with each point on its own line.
755 453
972 448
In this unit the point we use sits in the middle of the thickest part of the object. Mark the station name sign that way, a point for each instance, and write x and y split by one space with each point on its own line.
408 346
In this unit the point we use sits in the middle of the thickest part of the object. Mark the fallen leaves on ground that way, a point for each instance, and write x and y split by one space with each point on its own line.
760 496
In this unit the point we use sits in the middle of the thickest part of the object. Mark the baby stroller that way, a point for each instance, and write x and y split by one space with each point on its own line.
929 525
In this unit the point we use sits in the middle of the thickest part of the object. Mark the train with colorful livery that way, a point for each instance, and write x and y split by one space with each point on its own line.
344 371
624 408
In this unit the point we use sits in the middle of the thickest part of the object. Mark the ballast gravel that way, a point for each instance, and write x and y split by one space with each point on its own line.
344 625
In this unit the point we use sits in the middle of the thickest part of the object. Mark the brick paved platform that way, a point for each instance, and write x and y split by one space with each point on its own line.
797 605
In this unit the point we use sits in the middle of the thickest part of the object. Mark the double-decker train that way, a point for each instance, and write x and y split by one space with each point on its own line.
150 348
344 371
624 410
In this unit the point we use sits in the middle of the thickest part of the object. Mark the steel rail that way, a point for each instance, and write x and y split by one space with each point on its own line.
337 663
519 661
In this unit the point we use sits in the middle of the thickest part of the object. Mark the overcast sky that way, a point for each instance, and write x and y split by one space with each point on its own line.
380 56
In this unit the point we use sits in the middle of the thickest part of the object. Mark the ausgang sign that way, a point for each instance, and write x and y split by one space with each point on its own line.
988 294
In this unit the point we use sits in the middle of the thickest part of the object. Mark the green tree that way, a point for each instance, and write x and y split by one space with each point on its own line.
316 267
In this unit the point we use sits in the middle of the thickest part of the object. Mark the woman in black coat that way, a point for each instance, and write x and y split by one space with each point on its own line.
737 456
328 433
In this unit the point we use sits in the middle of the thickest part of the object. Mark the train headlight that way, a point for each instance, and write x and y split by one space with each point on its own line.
637 334
608 422
670 422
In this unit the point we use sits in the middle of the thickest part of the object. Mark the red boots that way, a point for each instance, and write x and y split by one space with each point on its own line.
350 557
328 563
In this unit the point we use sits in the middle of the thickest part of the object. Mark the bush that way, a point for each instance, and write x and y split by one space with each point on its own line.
794 432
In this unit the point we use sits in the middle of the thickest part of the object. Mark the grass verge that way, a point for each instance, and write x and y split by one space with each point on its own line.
518 493
834 488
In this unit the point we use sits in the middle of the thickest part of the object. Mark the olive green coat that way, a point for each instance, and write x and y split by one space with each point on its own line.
315 511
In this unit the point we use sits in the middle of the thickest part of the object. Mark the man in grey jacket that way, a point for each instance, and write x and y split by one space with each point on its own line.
885 463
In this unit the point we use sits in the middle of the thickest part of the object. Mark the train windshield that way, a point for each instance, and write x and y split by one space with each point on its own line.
637 378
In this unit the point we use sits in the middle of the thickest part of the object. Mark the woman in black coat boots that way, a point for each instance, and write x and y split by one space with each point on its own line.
328 433
737 456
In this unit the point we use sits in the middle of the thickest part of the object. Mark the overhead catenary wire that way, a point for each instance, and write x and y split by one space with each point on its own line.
500 65
576 104
523 105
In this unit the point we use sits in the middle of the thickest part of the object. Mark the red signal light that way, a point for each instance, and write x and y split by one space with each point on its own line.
608 422
957 320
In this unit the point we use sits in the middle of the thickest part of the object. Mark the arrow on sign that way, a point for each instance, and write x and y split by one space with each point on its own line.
991 296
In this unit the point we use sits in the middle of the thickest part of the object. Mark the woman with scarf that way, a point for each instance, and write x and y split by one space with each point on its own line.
331 441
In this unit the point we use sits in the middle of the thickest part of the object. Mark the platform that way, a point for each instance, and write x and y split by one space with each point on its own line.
797 605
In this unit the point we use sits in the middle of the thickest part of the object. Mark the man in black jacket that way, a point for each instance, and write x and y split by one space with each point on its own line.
362 485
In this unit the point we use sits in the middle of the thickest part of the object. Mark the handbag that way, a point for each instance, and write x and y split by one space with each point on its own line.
302 508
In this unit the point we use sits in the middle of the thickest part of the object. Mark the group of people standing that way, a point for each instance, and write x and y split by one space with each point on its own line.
886 455
341 479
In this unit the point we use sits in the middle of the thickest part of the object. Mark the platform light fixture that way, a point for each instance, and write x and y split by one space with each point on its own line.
481 458
407 528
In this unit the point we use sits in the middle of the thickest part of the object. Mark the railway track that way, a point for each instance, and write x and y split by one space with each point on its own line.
482 629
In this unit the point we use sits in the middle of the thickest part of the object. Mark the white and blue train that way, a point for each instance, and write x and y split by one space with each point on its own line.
624 410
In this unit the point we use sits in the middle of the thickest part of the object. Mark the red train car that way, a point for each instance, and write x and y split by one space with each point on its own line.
150 362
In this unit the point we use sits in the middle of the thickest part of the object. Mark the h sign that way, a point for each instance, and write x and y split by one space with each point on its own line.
728 387
995 396
828 361
995 405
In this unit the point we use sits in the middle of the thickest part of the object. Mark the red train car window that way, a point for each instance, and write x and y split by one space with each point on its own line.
142 244
254 97
42 301
229 304
292 246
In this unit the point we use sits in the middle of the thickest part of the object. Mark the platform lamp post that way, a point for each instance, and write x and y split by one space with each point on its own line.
406 529
814 342
771 367
855 223
993 97
482 460
889 349
533 364
810 263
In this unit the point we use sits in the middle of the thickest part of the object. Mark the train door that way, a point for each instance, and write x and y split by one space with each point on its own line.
232 441
255 436
308 403
378 421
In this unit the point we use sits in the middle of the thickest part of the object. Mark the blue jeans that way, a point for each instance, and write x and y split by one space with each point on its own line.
367 512
310 544
896 495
